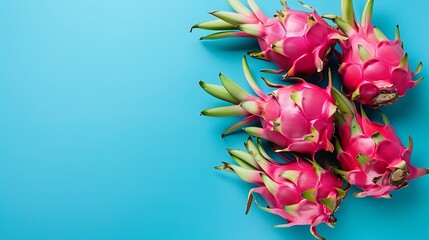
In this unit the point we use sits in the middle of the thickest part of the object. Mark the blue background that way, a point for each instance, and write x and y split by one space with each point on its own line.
101 138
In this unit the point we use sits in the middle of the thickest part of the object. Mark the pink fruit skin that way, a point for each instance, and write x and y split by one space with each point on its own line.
372 156
303 124
288 193
297 41
294 43
380 73
297 118
301 192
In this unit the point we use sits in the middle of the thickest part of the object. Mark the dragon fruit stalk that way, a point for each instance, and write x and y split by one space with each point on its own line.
298 42
296 118
375 70
371 155
301 192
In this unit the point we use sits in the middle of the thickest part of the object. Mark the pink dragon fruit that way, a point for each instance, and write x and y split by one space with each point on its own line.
298 42
301 192
375 70
297 118
371 155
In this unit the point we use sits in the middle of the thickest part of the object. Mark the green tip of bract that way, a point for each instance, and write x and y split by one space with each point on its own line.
330 203
309 195
216 24
363 53
233 88
230 17
363 113
343 102
355 129
251 29
221 168
314 232
397 33
419 80
410 143
254 131
358 195
337 145
419 68
257 54
363 159
367 14
385 119
329 80
348 13
379 34
305 5
404 61
343 25
218 92
342 193
226 111
329 16
377 137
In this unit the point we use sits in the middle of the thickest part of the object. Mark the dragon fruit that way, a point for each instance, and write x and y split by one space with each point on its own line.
299 191
375 70
371 155
298 42
296 118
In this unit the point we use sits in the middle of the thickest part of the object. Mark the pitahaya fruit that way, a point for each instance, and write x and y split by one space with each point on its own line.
298 42
301 192
375 70
371 155
297 118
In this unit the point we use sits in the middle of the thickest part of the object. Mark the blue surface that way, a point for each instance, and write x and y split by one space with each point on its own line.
101 138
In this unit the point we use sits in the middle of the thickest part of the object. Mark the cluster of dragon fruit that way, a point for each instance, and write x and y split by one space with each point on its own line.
300 120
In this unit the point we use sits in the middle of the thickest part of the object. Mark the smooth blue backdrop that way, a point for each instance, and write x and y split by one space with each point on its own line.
101 138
